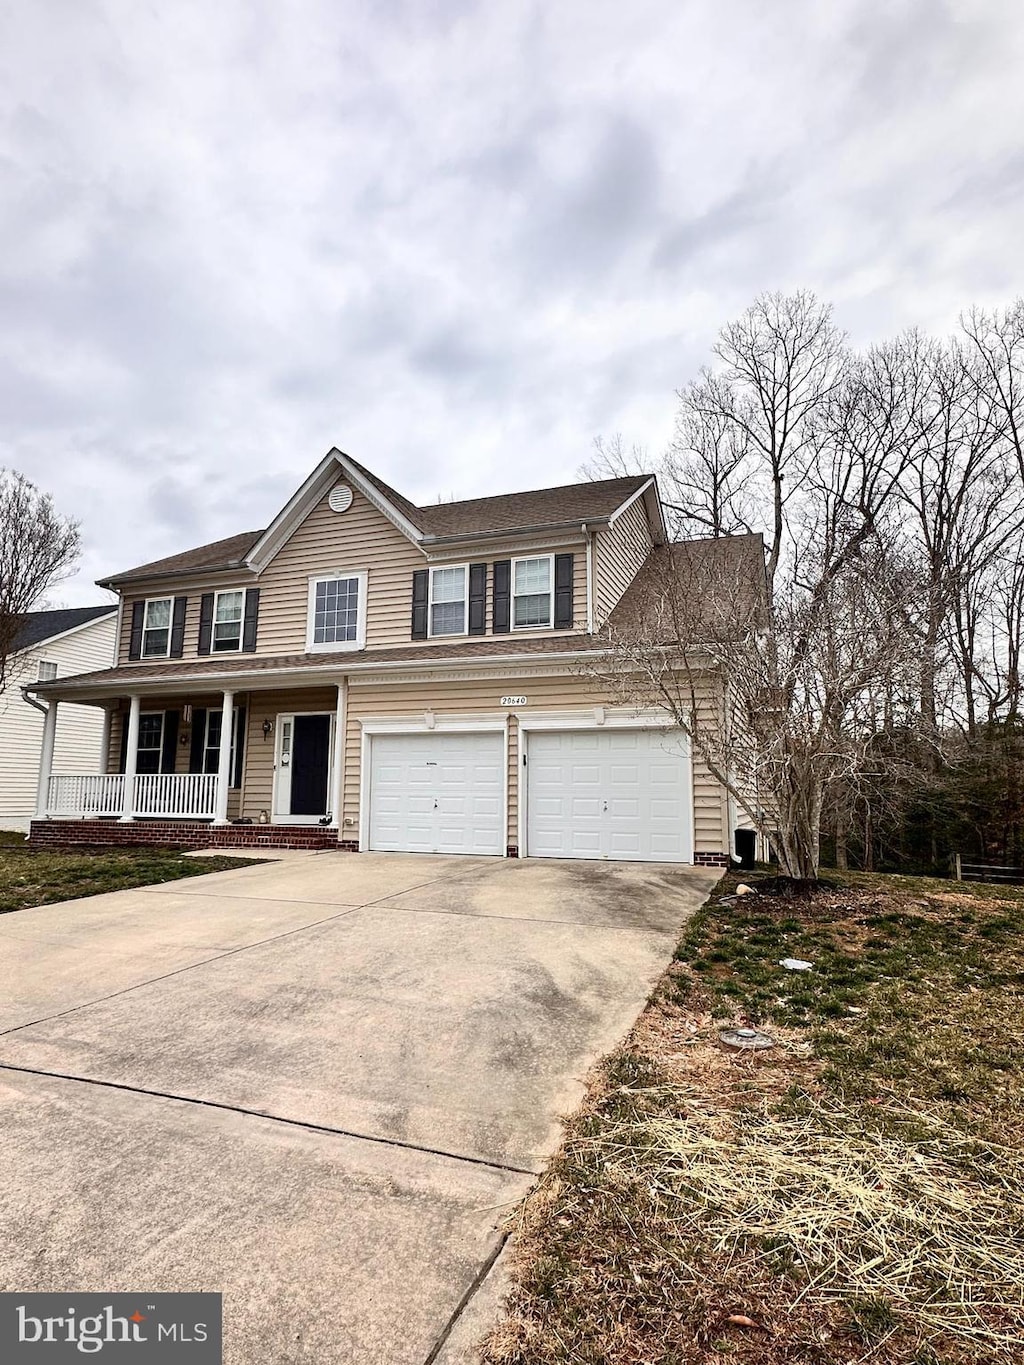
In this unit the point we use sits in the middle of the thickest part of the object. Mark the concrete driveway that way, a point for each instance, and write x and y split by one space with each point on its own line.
315 1085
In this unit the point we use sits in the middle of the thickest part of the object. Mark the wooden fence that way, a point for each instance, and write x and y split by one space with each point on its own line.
987 872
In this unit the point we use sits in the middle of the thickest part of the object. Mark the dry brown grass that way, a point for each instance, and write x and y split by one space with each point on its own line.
853 1195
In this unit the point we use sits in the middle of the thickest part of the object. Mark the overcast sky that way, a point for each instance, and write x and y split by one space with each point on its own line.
457 240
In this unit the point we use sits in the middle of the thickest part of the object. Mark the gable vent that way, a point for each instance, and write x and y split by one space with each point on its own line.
341 498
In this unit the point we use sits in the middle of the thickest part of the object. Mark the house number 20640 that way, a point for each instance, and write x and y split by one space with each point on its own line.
513 701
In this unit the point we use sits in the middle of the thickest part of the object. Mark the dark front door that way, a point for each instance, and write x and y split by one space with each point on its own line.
311 744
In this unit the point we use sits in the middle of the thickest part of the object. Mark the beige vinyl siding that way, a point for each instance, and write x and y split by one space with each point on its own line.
510 549
619 552
79 728
326 543
360 539
568 691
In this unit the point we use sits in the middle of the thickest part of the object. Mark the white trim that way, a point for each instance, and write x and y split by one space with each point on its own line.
275 818
603 718
612 718
443 724
448 634
505 791
526 559
624 507
528 549
143 656
225 592
337 792
306 498
337 646
417 725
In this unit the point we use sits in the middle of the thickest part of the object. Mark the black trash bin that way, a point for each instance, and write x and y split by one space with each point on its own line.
746 847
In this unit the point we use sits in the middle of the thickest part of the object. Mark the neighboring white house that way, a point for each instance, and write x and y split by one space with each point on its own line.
52 644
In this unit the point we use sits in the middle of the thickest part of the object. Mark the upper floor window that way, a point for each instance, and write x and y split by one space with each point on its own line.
532 592
227 621
449 601
156 628
47 671
337 612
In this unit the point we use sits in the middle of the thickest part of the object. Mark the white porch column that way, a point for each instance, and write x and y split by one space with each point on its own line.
108 716
338 766
131 759
227 717
46 761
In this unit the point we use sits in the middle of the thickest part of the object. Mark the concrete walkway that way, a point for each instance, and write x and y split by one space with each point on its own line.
316 1085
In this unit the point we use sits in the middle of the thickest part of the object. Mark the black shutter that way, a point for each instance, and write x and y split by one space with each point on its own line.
135 644
205 623
195 757
252 611
502 602
170 744
420 588
122 762
178 627
563 592
236 776
477 599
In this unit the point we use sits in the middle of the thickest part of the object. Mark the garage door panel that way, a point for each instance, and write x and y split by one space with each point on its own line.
608 794
437 793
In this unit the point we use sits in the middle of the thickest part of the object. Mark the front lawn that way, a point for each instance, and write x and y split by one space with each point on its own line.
37 877
853 1194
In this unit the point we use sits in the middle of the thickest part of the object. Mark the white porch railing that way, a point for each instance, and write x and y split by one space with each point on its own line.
173 795
92 795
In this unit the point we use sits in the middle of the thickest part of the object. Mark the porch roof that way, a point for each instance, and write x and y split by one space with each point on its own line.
255 672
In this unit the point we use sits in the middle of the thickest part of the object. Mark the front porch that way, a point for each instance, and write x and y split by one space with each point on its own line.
261 768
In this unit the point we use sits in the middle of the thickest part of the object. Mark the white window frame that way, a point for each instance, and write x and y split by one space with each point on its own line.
235 649
46 671
170 628
336 646
447 634
526 559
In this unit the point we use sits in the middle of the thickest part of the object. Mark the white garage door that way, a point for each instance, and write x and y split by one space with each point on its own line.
437 793
609 794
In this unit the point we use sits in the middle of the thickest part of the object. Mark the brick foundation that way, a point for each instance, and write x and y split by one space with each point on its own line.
711 859
184 834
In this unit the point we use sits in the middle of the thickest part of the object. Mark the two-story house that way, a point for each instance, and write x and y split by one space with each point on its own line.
375 675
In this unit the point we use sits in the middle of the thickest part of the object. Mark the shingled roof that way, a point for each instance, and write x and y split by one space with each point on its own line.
508 512
38 626
229 553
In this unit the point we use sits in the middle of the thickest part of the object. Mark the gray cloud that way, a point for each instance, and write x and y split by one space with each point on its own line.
456 240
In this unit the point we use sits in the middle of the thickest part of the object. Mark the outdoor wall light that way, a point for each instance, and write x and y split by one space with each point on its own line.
268 728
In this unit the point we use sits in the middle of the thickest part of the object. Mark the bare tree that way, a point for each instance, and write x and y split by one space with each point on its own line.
780 697
38 548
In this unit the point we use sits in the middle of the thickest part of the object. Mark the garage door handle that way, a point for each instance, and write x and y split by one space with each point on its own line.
435 805
604 805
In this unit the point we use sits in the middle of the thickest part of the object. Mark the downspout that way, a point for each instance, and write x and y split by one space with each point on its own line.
33 701
590 577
